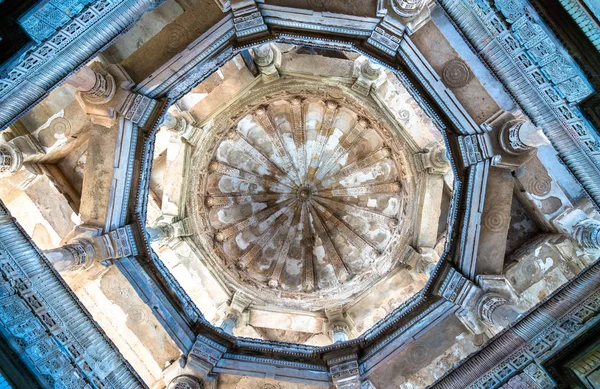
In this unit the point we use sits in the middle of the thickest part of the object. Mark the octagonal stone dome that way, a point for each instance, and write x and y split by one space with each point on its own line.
303 196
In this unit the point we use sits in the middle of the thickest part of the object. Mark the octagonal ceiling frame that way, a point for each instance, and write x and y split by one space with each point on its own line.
417 77
388 335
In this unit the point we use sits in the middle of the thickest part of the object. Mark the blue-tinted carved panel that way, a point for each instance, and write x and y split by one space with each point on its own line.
48 16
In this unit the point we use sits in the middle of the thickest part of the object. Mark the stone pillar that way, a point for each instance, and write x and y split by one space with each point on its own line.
496 310
11 159
98 87
521 137
339 328
176 125
89 248
368 73
231 321
165 230
239 303
185 382
72 256
340 332
264 57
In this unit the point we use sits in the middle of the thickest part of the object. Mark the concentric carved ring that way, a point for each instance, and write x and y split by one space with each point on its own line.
176 36
456 74
495 219
539 185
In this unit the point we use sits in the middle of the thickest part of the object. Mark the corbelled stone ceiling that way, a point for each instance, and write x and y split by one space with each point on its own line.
304 196
292 194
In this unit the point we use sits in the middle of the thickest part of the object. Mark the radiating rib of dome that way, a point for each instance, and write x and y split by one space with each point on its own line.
304 195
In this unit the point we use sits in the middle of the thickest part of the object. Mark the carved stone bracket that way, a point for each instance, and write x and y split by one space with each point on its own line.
475 148
344 371
204 355
247 18
387 36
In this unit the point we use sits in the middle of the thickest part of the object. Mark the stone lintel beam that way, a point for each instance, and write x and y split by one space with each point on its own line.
287 321
495 222
344 369
89 248
435 162
104 193
204 356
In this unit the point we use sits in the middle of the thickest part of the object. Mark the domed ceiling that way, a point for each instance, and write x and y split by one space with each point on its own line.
306 197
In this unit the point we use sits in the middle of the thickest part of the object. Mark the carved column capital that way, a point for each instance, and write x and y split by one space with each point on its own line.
185 382
265 59
408 8
11 159
520 137
95 88
496 310
587 234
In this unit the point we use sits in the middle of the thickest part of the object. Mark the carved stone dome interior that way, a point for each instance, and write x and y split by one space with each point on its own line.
304 195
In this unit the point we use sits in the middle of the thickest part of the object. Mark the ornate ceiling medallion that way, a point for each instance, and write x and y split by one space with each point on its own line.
304 197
